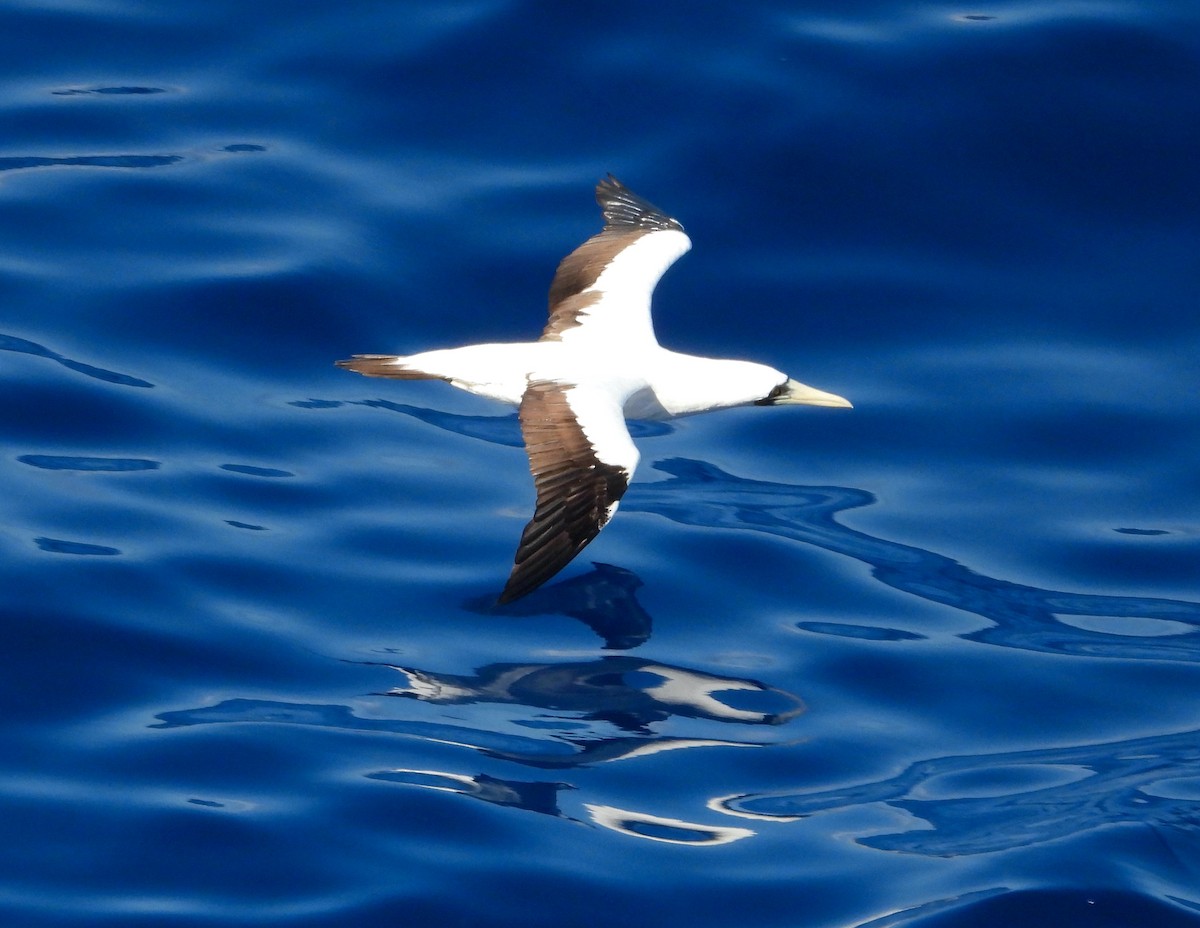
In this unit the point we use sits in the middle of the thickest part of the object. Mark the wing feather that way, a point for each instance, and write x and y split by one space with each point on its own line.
581 458
631 225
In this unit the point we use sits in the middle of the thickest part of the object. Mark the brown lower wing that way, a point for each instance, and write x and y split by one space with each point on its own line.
575 489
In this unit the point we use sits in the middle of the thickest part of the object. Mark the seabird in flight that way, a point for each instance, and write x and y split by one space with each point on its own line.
596 364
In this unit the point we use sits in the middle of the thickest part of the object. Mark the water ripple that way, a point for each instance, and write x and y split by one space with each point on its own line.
61 546
1105 784
94 465
108 91
24 162
24 346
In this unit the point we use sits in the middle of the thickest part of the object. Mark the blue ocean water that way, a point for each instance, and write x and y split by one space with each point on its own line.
931 662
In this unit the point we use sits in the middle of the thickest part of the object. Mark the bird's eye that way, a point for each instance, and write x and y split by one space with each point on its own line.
770 398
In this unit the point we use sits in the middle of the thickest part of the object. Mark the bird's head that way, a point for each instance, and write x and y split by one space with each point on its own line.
790 392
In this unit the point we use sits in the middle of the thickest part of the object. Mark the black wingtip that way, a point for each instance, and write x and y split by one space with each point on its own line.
625 211
519 587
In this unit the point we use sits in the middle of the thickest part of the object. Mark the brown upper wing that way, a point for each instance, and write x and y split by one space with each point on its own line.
627 217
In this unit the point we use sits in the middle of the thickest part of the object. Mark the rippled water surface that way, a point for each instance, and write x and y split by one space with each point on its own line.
933 661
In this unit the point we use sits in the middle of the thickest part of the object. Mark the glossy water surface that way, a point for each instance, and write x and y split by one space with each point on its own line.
934 661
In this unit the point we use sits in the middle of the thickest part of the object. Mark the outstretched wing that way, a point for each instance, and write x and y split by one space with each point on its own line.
581 458
603 287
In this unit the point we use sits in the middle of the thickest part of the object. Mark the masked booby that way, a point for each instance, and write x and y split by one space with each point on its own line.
596 364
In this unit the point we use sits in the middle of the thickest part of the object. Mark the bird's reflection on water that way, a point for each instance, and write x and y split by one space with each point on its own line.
628 693
603 599
544 798
566 715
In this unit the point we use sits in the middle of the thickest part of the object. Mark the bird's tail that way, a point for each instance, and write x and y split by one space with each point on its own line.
385 365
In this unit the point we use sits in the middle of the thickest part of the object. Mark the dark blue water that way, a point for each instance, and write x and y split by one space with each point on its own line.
934 661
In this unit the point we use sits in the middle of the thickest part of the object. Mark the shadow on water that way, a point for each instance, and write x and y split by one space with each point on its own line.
604 600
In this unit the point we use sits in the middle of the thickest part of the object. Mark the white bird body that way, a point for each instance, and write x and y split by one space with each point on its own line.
597 364
649 381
